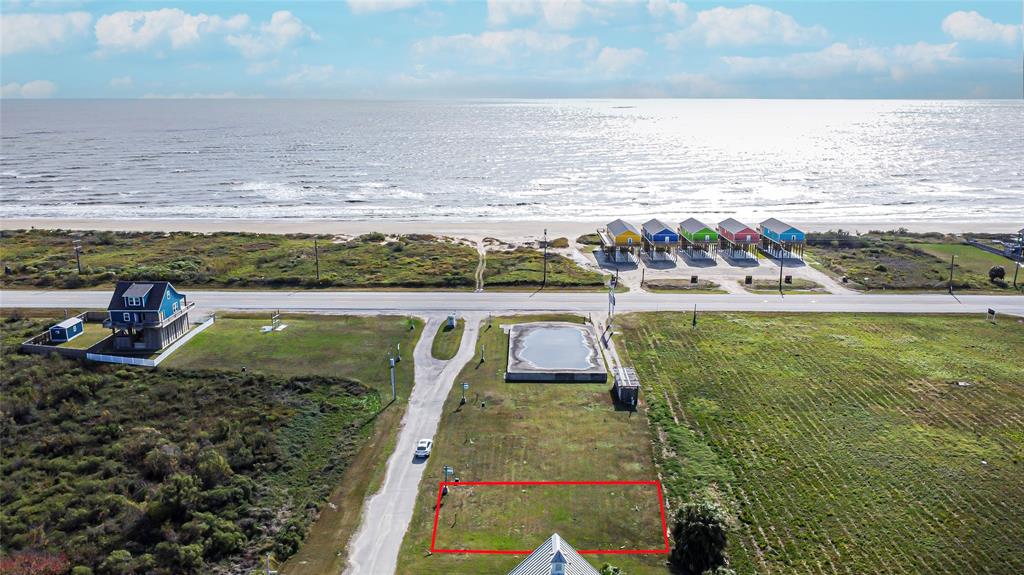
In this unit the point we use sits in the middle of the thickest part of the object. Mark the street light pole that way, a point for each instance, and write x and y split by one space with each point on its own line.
952 260
316 254
1020 253
544 282
782 264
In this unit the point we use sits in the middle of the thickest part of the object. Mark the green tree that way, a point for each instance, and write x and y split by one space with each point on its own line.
699 538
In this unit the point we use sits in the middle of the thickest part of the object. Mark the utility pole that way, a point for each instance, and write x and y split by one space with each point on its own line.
394 393
1020 253
782 264
316 254
952 259
78 254
544 282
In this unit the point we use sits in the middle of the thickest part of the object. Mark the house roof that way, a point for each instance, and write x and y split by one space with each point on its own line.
553 550
656 226
126 289
694 225
68 322
732 226
776 226
619 227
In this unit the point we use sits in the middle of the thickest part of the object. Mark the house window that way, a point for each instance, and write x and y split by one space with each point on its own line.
707 237
127 316
134 301
558 569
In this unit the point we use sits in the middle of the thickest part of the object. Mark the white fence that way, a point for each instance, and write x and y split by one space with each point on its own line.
156 360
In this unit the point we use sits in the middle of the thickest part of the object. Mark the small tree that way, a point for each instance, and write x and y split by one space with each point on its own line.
698 538
609 569
996 273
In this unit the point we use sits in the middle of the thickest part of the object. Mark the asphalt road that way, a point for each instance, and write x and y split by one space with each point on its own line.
417 302
387 513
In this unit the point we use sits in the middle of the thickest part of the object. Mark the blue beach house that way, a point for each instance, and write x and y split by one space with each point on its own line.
67 330
658 232
781 232
147 316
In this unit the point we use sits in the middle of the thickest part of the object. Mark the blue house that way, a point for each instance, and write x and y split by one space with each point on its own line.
67 330
781 232
657 232
147 316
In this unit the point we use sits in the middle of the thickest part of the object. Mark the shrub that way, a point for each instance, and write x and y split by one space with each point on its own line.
881 268
173 499
117 563
698 538
33 563
996 273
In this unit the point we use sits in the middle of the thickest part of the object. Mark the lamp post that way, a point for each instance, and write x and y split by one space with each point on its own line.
1020 253
544 281
952 260
316 255
782 264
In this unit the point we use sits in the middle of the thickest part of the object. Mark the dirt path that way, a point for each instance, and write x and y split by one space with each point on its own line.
481 265
386 515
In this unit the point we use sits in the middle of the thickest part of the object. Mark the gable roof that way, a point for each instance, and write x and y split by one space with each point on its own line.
554 549
125 288
656 226
732 226
777 226
693 225
619 227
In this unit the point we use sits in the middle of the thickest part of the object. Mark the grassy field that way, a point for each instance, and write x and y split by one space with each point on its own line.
797 286
344 346
92 333
43 258
895 261
680 285
842 443
447 340
524 267
168 471
538 432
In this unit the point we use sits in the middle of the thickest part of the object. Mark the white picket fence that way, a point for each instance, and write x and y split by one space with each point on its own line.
156 360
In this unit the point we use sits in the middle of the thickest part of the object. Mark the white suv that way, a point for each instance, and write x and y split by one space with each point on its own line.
423 448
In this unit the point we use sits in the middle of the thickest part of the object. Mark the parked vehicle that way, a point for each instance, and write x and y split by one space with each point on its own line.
423 448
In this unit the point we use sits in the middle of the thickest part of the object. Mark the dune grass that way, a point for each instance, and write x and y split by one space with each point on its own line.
540 432
524 267
840 442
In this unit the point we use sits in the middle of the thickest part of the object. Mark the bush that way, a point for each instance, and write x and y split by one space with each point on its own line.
881 268
698 538
117 563
212 468
996 273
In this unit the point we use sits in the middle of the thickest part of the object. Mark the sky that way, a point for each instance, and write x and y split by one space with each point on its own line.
398 49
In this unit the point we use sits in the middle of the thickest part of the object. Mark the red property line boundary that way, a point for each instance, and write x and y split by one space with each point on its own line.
437 515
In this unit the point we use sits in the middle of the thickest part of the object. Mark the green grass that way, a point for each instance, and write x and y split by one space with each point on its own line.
901 261
447 340
44 258
524 267
342 346
679 285
177 471
798 285
842 442
540 432
92 334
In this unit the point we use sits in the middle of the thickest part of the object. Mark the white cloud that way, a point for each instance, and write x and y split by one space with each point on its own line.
370 6
839 59
615 60
33 89
136 30
23 32
973 26
283 30
745 26
560 14
121 82
501 44
662 8
309 75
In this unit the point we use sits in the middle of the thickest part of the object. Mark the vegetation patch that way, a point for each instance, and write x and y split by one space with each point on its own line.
797 285
532 432
681 285
447 340
524 267
589 239
855 443
166 471
46 258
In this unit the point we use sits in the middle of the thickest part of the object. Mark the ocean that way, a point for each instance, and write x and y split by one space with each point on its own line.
842 161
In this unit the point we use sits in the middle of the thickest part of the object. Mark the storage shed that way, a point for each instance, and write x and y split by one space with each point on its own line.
698 239
781 240
738 238
67 330
627 386
658 237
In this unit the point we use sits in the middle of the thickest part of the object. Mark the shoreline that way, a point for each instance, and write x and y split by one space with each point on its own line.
474 230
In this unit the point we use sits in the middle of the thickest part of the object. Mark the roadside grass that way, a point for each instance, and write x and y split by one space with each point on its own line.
447 340
532 432
798 286
681 285
92 333
45 258
165 470
895 261
524 267
842 442
356 347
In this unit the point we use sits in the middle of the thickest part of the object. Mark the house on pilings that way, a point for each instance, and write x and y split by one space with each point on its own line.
781 240
738 238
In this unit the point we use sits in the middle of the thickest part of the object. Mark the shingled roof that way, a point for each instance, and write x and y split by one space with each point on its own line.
552 551
776 226
138 289
733 226
618 227
693 225
656 226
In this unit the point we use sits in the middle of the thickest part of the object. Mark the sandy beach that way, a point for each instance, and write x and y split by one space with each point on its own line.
474 230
